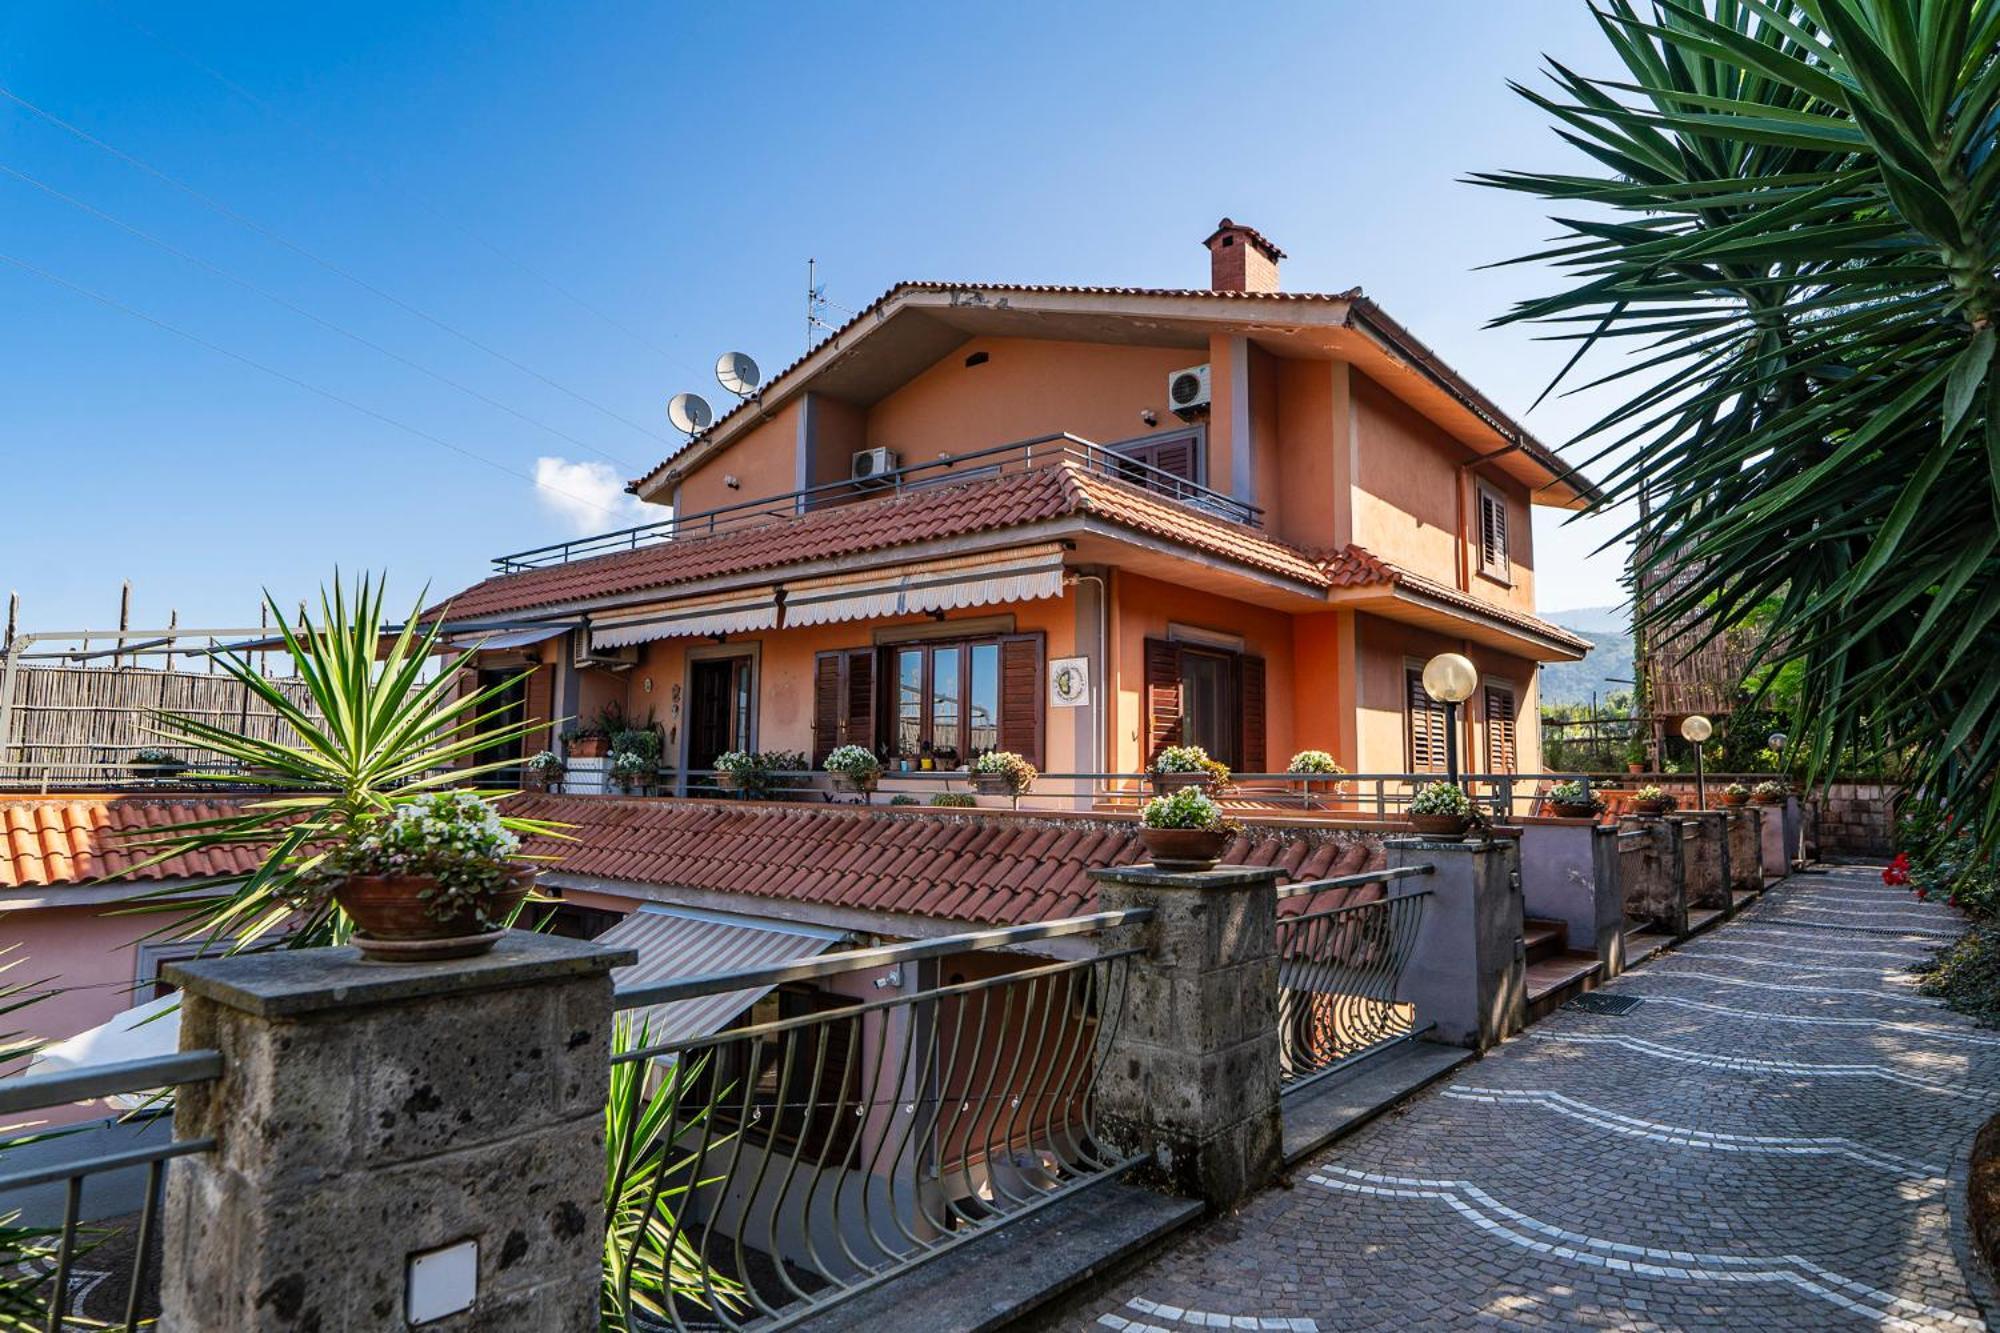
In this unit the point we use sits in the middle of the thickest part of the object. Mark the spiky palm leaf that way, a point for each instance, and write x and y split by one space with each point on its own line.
376 729
27 1254
1793 237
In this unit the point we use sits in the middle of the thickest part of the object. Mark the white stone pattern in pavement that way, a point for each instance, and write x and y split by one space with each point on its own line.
1756 1145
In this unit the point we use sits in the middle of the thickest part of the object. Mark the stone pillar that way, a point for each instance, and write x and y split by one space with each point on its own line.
1569 874
1771 837
1468 972
1746 853
369 1114
1660 895
1705 858
1191 1073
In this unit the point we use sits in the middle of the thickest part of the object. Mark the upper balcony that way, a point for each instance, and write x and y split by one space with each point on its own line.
1039 452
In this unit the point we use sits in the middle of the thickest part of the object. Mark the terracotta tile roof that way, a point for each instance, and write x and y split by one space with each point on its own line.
1061 489
77 840
1353 567
990 868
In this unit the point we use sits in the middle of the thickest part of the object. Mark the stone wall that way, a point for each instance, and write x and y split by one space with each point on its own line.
1857 818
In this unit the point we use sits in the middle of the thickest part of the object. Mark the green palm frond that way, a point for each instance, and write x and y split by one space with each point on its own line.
1793 239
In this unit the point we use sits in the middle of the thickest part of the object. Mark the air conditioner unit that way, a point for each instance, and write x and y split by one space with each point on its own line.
1187 392
615 659
873 466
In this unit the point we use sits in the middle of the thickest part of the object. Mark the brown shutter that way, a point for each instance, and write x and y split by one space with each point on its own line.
1250 689
1163 696
858 723
1426 724
1493 533
826 705
1021 696
1175 457
1501 754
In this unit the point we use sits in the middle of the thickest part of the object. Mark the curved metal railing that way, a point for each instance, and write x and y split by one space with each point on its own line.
1338 972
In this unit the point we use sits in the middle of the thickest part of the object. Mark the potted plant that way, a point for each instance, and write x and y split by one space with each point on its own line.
1652 799
1180 766
1573 799
854 768
633 771
1734 794
733 768
1314 769
153 763
1441 808
438 879
1184 830
406 739
587 742
545 770
954 800
1003 773
1770 792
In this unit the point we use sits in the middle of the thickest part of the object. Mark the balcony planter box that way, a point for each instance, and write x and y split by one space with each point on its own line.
1445 826
1185 850
1166 783
993 784
728 779
589 747
855 784
1651 807
393 921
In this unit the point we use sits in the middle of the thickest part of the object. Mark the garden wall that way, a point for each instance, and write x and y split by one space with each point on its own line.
1857 817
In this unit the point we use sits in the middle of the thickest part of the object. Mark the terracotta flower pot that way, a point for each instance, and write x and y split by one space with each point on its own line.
1164 783
1731 800
728 779
993 784
394 921
1652 807
858 784
1185 849
1573 810
590 747
1768 800
1440 825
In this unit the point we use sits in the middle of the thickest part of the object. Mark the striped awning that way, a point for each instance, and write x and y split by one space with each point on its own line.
1019 575
734 613
676 942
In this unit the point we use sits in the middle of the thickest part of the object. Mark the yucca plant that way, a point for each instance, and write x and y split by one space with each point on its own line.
27 1254
651 1141
376 729
1789 227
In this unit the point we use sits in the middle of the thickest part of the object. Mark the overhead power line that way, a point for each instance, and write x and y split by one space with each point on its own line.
419 432
223 210
302 312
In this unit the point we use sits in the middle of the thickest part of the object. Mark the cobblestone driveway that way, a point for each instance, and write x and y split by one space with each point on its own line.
1775 1138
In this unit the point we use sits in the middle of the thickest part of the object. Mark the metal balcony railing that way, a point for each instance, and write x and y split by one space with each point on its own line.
39 1287
837 1141
999 460
1338 970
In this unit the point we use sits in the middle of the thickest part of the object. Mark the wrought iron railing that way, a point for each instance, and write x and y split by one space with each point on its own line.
42 1286
1338 971
831 1142
1000 459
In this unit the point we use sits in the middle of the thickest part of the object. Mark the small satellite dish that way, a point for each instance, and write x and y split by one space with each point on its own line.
737 373
689 412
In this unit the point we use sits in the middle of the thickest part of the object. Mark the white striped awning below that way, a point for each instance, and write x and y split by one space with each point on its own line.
735 613
675 942
992 579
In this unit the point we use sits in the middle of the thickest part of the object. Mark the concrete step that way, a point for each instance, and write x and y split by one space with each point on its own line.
1555 981
1333 1107
1543 939
1642 943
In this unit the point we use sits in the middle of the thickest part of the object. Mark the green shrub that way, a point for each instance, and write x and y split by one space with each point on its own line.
955 800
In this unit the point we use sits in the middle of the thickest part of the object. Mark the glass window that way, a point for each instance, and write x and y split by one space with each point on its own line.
948 701
983 703
1209 703
947 692
909 703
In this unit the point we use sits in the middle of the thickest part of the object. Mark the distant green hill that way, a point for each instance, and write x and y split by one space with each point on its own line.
1608 668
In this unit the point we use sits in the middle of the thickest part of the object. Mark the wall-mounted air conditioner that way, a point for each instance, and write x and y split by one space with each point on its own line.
1187 392
872 467
613 659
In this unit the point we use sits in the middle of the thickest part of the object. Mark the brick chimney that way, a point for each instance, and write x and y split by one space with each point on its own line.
1241 260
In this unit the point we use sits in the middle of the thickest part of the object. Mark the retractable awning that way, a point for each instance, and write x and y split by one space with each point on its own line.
732 614
1020 575
507 638
675 942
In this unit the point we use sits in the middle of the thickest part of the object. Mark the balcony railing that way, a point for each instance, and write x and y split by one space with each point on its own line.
1019 456
808 1157
1338 970
39 1287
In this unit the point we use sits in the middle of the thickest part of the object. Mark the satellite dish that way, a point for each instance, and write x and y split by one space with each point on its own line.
737 373
689 412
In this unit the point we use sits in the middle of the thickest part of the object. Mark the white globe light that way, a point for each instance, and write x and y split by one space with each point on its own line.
1450 678
1696 728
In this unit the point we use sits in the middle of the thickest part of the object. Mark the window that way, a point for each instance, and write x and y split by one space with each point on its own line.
1197 694
1493 561
1164 460
1502 756
947 700
1427 729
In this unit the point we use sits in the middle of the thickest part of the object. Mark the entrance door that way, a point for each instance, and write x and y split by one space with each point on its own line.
718 709
508 705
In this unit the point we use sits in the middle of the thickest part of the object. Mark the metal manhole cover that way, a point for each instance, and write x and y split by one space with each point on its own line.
1597 1002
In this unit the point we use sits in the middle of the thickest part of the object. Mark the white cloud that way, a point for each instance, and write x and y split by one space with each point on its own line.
590 497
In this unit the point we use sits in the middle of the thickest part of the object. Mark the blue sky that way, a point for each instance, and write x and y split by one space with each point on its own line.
567 210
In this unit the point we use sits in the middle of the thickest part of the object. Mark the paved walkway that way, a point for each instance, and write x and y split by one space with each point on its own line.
1774 1138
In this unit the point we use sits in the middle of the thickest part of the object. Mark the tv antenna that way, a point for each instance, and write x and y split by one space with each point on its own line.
816 304
736 372
690 413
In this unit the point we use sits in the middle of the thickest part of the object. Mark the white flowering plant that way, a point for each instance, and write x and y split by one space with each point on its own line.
1191 759
739 762
854 761
1770 790
1441 798
1018 772
1189 808
547 763
456 838
632 764
1315 762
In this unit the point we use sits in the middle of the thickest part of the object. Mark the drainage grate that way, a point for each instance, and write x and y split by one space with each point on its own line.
1597 1002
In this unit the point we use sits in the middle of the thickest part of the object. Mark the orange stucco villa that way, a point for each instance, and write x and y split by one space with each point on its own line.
1080 523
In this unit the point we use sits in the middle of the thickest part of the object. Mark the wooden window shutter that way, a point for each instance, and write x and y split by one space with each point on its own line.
1501 753
1163 696
1493 533
857 723
1250 690
826 705
1426 724
1021 696
1175 457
